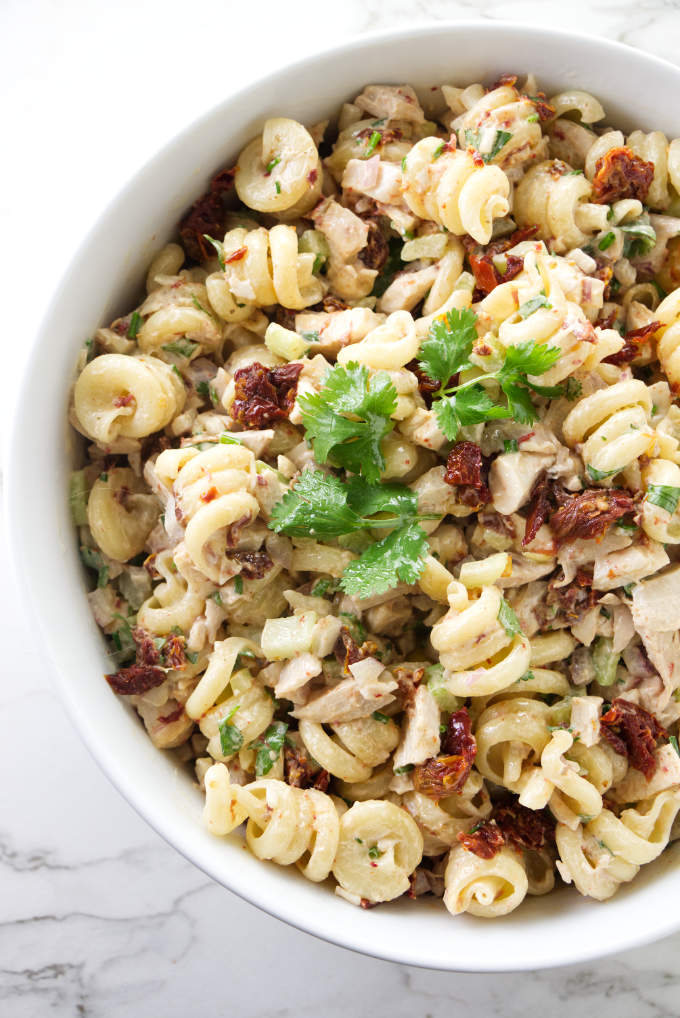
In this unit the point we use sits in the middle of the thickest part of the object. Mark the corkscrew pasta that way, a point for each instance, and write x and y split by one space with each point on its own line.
379 496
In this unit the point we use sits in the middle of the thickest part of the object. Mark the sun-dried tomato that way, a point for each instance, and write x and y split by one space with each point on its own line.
467 471
525 828
254 564
633 340
566 605
619 173
174 715
487 276
173 651
206 215
147 652
544 109
541 505
377 250
135 679
486 840
505 79
589 514
633 732
441 776
347 650
264 395
458 738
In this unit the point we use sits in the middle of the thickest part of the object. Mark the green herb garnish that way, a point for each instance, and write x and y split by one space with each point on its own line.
666 496
268 747
135 322
508 619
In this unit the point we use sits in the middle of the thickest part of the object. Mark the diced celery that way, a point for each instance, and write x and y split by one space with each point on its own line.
605 661
284 638
78 495
436 683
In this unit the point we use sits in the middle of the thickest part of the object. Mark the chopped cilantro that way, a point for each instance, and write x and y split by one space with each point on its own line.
666 496
501 139
529 306
374 852
217 597
510 445
219 247
268 747
94 559
135 322
238 584
607 241
508 619
639 236
373 143
573 389
438 151
379 716
277 185
271 164
673 739
181 347
231 737
406 769
600 475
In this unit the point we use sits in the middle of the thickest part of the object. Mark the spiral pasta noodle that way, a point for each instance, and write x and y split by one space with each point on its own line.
452 190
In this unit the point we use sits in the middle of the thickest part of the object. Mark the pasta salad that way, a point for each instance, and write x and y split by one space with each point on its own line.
380 497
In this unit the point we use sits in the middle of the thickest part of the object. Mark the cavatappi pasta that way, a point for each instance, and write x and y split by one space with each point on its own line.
381 496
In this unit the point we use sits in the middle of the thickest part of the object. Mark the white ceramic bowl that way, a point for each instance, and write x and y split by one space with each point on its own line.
563 927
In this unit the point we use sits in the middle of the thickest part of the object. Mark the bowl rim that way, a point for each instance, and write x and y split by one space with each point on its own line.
15 458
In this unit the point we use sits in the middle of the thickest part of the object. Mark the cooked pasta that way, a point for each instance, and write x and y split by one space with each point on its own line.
380 496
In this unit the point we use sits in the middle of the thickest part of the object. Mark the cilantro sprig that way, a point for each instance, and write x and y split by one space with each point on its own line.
323 506
347 420
446 352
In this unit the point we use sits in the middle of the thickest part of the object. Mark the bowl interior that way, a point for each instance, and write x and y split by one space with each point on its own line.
101 281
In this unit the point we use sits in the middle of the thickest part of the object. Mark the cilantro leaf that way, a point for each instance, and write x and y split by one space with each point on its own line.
352 443
529 358
449 345
469 406
501 138
368 499
94 559
600 475
399 556
639 236
316 506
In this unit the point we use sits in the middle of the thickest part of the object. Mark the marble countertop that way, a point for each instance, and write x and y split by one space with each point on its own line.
98 917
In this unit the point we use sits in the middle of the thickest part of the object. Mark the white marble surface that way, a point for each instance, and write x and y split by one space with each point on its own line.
98 917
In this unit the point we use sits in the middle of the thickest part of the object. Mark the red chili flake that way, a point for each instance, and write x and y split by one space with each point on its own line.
633 340
237 256
135 679
264 395
175 715
525 438
312 175
619 173
322 781
124 400
210 494
485 841
633 732
589 514
365 902
532 829
254 564
542 504
466 470
477 159
206 215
